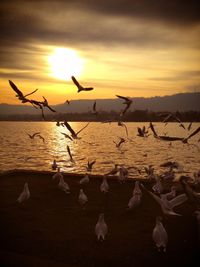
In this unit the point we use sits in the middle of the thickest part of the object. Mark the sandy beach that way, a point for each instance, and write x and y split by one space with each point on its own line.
51 229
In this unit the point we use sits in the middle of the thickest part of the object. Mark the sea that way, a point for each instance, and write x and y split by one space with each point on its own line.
97 142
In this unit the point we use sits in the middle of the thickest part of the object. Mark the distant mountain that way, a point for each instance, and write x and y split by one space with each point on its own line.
178 102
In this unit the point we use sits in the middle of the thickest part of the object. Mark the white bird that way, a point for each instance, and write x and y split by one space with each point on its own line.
85 179
57 175
166 205
136 189
160 236
158 187
104 187
54 165
170 195
63 185
134 201
101 228
25 194
82 198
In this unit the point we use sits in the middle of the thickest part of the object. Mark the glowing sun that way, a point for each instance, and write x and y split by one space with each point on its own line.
65 63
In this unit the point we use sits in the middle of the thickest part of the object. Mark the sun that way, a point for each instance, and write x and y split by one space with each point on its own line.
64 63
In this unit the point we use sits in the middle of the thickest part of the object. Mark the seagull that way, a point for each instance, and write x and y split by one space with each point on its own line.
159 235
73 134
85 179
193 196
122 140
63 185
120 123
54 165
67 101
20 94
127 102
82 198
142 132
57 175
171 116
24 195
67 136
33 135
90 165
166 205
94 111
70 155
104 187
114 171
101 228
41 137
137 189
80 87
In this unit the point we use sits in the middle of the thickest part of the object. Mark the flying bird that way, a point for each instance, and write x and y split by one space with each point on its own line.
67 136
90 165
127 102
159 235
74 134
80 87
32 135
120 123
25 195
101 228
70 155
20 95
122 140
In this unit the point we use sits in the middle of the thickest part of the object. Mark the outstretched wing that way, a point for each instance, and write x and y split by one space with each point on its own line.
75 81
14 87
123 97
31 93
82 128
194 133
69 152
153 130
69 128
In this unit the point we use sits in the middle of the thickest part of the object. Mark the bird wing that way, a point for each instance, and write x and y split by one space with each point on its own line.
14 87
69 152
178 200
94 106
153 130
170 138
123 97
76 82
82 128
69 128
35 134
67 136
31 93
87 88
194 133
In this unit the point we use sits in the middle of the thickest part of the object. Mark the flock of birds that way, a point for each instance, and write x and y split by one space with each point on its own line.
167 200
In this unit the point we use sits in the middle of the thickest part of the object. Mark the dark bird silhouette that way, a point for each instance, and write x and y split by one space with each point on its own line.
127 102
189 126
90 165
70 155
46 104
172 117
142 132
33 135
67 136
122 140
120 123
94 111
80 87
41 137
74 134
20 95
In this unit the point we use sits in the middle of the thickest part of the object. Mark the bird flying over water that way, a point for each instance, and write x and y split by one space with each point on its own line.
122 140
74 134
80 87
67 136
127 102
70 155
90 165
33 135
120 123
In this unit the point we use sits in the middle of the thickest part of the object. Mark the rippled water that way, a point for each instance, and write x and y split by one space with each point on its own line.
18 151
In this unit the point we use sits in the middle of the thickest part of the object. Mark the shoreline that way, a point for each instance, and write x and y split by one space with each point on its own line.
51 229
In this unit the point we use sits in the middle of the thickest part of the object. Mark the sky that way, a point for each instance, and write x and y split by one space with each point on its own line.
135 48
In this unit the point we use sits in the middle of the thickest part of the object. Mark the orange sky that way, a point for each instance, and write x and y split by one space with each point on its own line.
132 50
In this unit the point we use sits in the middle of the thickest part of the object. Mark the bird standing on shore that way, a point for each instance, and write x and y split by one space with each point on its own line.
25 195
159 235
104 187
82 198
101 228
